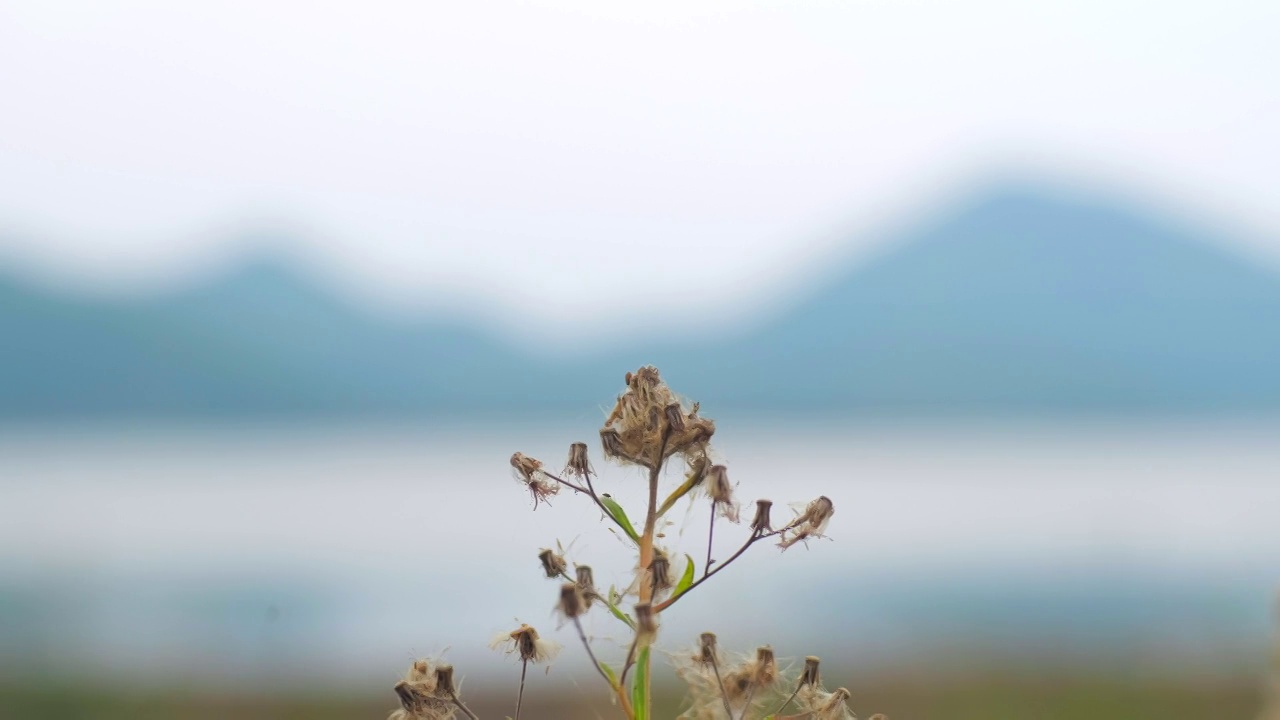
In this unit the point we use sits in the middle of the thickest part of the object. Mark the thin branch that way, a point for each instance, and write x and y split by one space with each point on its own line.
524 668
710 535
787 702
464 708
715 666
755 536
591 492
586 644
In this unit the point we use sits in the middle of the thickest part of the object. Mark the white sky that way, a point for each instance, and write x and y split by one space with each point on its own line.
564 158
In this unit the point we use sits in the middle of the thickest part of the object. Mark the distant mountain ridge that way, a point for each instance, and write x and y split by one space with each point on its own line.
1021 300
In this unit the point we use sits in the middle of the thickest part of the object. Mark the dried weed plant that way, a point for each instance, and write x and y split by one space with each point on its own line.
649 429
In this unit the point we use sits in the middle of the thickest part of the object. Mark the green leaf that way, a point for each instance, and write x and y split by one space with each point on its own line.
609 673
685 580
620 615
678 493
640 685
620 516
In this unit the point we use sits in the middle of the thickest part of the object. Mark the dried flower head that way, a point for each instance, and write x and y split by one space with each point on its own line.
810 523
674 417
720 490
571 603
811 676
586 583
444 680
648 425
833 706
425 694
660 571
760 524
765 668
706 649
525 643
553 564
578 464
529 472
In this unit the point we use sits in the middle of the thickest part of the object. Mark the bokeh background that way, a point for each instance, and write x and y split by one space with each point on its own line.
283 285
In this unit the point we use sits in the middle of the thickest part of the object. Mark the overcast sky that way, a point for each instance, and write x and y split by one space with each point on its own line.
563 158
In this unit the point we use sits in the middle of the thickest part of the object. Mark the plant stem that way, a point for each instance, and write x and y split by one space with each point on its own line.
787 702
464 708
524 667
578 624
750 541
711 533
715 666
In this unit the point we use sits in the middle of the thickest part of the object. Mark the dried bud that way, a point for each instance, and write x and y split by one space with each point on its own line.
407 696
586 584
707 648
646 623
526 467
578 463
611 443
818 513
675 417
654 415
571 604
419 672
834 705
444 680
810 523
718 486
810 675
720 490
660 570
760 524
552 564
525 643
697 471
765 669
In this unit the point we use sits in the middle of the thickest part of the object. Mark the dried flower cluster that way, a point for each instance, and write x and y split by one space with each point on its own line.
428 692
648 426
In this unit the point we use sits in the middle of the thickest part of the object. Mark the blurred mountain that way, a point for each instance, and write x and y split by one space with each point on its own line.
1021 300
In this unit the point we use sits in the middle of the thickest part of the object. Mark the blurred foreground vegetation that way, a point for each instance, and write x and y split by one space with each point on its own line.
989 698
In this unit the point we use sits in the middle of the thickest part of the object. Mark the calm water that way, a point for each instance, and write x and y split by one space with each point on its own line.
255 554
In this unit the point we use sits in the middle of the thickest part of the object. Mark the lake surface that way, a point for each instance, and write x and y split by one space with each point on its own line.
263 553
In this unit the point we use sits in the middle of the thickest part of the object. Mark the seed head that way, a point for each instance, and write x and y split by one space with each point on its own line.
552 564
611 442
720 490
706 648
810 523
525 643
648 425
444 680
526 467
760 524
571 603
818 513
586 584
764 671
660 570
810 676
833 707
675 417
529 472
578 463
